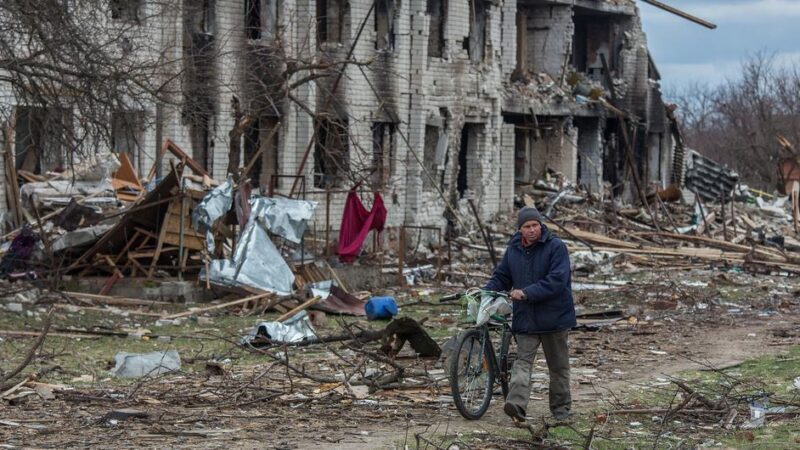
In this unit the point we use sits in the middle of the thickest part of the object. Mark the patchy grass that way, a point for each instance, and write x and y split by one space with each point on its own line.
648 430
211 336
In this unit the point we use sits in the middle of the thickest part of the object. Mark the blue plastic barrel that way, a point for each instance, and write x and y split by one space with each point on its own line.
378 308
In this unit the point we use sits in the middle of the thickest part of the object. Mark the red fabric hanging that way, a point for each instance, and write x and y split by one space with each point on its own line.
356 224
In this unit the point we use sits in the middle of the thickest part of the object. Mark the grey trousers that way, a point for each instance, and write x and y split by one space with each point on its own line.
557 354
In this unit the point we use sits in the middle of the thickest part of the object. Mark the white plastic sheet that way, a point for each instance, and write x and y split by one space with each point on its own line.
134 365
296 329
491 305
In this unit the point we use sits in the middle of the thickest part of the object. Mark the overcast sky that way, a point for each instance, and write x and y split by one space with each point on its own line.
685 52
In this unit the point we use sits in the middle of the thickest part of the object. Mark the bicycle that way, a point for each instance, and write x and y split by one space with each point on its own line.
475 366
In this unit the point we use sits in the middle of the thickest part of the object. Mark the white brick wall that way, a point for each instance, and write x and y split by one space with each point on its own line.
413 85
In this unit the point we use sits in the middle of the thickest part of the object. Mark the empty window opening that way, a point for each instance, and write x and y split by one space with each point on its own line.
523 147
384 24
331 155
468 158
41 139
126 9
477 29
434 157
331 20
200 15
127 134
383 144
261 18
262 135
595 39
436 12
201 140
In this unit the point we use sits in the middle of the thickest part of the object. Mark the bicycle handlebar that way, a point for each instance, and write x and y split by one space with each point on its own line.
456 296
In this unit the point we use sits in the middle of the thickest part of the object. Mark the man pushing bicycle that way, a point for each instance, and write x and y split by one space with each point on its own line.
536 271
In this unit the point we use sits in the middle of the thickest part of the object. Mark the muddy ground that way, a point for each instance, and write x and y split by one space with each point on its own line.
674 323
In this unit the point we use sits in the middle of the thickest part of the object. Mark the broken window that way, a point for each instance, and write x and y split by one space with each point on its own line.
263 136
382 153
522 40
41 139
331 155
201 139
384 24
434 155
331 20
261 18
200 16
127 134
477 29
468 157
436 12
594 40
126 9
522 155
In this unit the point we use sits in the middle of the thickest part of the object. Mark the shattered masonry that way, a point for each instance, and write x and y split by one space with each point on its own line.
466 97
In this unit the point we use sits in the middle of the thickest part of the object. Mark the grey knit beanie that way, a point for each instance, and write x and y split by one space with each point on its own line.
528 213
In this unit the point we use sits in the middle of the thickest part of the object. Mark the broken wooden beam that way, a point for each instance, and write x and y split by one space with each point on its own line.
301 307
241 301
682 14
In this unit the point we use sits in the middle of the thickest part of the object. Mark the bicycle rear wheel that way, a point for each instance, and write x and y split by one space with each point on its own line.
472 374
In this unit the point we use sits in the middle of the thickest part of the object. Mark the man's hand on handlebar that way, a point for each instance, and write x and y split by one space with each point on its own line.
517 294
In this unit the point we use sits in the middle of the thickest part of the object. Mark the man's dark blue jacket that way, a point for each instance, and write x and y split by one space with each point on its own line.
542 272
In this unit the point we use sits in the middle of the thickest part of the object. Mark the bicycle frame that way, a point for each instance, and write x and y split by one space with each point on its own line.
499 362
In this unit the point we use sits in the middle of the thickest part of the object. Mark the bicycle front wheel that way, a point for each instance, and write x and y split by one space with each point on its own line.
472 374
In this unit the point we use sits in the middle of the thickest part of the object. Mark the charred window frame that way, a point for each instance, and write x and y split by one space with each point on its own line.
199 16
332 16
437 12
434 155
128 10
331 153
384 25
127 135
263 136
383 153
262 18
41 138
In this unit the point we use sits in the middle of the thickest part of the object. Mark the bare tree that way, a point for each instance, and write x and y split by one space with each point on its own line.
70 66
737 122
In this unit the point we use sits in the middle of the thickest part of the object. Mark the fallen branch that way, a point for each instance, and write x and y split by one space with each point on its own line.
31 352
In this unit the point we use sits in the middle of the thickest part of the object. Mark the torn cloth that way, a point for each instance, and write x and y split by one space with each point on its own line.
357 223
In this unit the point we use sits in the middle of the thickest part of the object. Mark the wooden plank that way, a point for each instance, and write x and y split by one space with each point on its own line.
126 172
190 242
146 233
173 148
106 310
22 333
160 243
118 301
220 306
601 239
174 226
301 307
12 190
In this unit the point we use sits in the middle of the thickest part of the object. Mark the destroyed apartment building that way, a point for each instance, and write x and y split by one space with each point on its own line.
426 102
